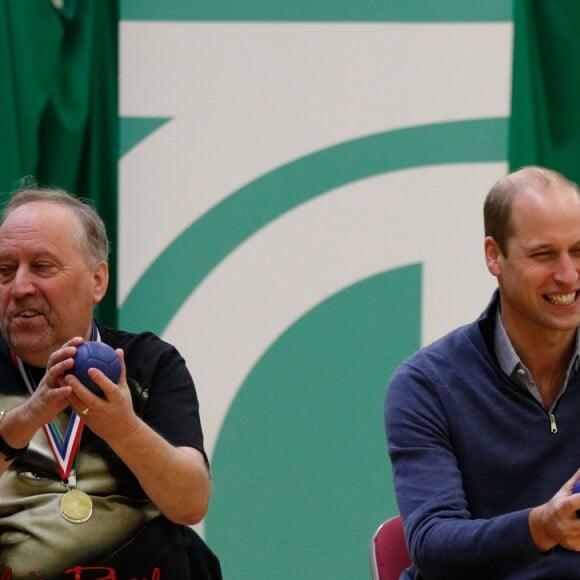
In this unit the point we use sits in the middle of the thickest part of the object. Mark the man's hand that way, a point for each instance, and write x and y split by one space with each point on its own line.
555 522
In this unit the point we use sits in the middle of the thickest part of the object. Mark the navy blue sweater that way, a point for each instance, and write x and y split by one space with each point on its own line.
472 453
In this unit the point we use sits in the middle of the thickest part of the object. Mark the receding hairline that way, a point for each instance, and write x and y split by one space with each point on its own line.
498 204
90 233
539 179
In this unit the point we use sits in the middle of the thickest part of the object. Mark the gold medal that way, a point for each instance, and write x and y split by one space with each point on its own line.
76 506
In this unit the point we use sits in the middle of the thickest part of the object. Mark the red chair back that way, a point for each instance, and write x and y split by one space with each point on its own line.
389 553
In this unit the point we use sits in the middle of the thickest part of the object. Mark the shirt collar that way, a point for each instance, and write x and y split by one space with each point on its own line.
507 357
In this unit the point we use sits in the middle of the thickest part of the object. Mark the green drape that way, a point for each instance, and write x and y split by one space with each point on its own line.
545 121
58 104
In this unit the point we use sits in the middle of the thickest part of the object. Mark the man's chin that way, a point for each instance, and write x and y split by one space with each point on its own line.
567 324
32 352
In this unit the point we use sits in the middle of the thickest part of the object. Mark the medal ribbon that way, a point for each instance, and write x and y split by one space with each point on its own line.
64 449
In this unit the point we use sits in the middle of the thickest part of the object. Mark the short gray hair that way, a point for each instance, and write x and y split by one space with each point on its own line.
91 233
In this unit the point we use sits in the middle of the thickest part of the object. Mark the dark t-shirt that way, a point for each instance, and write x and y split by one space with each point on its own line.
34 537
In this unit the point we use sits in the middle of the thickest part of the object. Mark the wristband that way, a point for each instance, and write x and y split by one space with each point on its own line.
8 451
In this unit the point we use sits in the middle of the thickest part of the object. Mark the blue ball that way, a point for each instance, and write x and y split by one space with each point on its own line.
576 489
98 355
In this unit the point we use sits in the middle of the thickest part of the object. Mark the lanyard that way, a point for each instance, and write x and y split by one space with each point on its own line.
64 449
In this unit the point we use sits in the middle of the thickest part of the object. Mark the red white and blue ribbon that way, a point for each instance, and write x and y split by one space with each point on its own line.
65 448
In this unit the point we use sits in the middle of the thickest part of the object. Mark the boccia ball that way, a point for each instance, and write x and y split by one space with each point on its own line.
576 489
98 355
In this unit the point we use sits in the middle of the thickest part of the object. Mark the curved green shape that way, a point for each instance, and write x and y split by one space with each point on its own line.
132 130
300 469
171 278
319 10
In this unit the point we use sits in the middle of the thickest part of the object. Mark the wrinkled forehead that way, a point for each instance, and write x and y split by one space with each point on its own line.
45 212
38 223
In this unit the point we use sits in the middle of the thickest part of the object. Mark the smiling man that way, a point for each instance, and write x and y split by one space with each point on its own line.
483 425
107 482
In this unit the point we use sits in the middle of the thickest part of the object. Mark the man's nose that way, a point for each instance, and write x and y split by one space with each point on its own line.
22 283
568 270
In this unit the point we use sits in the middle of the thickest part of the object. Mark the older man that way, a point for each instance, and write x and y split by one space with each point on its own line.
87 481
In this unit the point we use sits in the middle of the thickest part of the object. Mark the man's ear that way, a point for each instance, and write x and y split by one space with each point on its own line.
101 279
492 256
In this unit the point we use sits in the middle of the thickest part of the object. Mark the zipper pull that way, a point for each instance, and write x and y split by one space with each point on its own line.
553 424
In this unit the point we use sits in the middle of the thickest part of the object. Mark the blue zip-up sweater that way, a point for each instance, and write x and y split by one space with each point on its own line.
472 453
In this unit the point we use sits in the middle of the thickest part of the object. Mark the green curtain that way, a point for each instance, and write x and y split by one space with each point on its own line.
58 105
545 121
